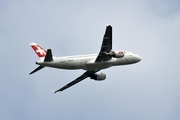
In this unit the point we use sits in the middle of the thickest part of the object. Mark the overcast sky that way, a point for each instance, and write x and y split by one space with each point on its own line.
148 90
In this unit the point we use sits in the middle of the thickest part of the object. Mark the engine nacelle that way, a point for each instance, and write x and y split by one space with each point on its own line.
99 77
117 54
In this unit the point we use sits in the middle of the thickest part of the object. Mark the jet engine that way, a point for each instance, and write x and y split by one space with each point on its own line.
99 77
116 54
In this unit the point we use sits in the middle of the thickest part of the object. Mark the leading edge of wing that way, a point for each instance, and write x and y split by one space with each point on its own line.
79 79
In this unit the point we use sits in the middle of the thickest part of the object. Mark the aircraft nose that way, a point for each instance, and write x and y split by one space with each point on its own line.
138 58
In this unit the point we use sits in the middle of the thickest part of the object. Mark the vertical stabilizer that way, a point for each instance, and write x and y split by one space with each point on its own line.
38 50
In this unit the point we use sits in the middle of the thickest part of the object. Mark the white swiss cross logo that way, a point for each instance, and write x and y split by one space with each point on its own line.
39 50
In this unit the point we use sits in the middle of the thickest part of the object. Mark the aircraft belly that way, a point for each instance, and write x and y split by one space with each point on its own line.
73 64
92 65
97 66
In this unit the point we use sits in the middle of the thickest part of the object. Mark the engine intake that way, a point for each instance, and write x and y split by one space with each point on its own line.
117 54
99 77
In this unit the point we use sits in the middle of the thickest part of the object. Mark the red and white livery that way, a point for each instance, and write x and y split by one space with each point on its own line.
91 63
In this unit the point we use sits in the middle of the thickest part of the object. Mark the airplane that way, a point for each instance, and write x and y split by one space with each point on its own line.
91 63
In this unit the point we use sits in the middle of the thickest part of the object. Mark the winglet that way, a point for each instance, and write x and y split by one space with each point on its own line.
108 25
57 91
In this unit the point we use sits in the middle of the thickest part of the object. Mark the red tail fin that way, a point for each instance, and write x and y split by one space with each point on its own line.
38 50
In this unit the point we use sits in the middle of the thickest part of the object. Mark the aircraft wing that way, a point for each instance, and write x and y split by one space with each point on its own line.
106 46
79 79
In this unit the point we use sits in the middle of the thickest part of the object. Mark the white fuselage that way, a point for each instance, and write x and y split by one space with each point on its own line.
87 62
92 63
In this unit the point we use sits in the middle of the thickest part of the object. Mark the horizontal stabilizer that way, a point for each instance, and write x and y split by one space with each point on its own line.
48 56
37 69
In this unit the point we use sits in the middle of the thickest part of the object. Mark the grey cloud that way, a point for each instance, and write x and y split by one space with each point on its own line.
147 90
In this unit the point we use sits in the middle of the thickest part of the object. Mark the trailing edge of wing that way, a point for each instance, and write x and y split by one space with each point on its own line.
82 77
